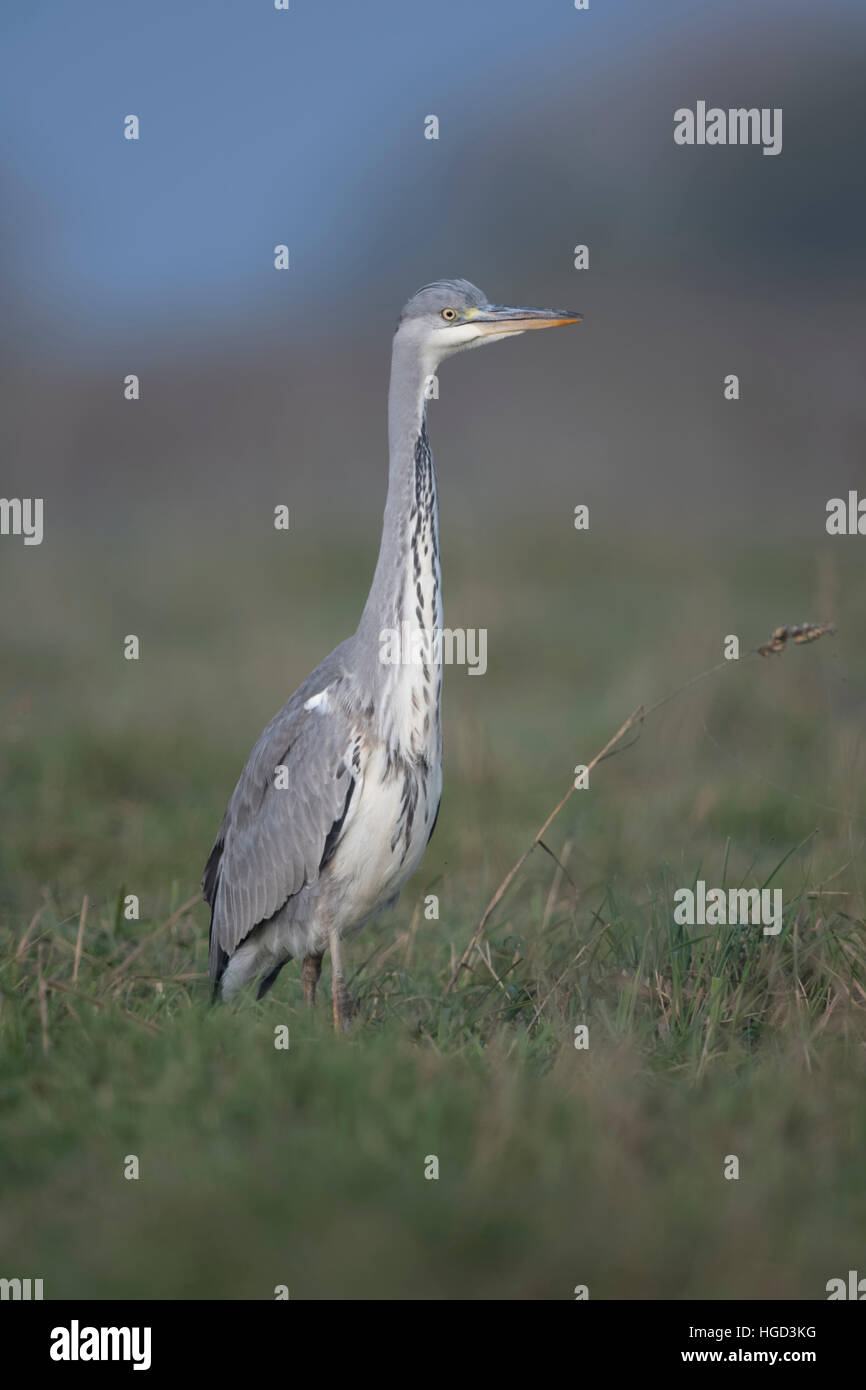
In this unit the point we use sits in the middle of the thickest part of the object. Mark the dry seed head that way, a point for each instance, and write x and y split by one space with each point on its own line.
799 633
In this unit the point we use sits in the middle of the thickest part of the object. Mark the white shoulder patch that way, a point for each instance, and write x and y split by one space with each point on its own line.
319 702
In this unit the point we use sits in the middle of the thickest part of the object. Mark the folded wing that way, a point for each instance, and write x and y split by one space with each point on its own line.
278 832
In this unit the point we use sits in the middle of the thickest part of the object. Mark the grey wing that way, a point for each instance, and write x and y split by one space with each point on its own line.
275 839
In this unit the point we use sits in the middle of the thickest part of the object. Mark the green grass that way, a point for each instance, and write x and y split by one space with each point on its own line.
557 1166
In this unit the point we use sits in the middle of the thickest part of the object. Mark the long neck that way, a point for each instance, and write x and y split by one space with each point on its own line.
406 593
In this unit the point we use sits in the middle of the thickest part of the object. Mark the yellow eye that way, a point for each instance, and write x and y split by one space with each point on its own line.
449 315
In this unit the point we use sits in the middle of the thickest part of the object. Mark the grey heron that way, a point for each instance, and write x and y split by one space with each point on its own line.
340 795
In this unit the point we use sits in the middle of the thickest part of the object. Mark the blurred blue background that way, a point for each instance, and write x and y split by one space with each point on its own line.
306 127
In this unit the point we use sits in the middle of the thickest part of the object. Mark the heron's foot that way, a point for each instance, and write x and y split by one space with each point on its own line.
310 972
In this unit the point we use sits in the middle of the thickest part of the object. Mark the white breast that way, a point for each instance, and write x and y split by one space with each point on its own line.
386 832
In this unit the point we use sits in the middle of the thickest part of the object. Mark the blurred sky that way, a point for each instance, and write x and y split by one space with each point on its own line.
260 125
306 127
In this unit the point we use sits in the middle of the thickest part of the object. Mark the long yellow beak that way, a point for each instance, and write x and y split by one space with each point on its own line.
498 319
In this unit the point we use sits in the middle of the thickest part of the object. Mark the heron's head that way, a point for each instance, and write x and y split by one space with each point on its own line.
451 315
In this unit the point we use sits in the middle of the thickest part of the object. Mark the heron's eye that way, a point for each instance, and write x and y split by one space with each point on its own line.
449 315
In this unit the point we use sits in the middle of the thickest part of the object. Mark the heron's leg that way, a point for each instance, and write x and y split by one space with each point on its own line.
310 972
339 994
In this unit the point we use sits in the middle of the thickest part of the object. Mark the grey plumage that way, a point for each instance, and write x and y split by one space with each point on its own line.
272 845
297 868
